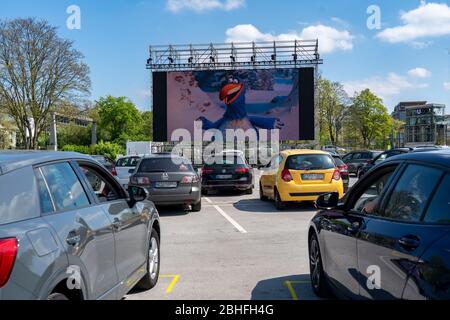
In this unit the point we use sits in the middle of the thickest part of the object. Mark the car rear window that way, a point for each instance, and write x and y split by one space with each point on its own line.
165 165
227 160
19 198
338 161
128 162
310 162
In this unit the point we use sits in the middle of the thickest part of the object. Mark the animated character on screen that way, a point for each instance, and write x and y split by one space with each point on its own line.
235 116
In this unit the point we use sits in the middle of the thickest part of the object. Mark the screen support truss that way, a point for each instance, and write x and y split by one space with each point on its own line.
235 56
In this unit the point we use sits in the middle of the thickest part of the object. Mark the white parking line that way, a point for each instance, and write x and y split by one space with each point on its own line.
226 216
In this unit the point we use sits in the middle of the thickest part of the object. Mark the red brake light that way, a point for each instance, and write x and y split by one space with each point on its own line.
140 181
189 179
337 175
242 170
114 171
286 175
8 252
206 171
343 168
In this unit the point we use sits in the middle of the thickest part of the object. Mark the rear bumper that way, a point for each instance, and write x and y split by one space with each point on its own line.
235 184
290 192
167 198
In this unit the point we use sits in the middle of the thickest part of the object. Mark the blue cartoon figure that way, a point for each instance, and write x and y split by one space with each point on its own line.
235 116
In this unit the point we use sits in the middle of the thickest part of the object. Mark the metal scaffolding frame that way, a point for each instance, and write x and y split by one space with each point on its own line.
234 56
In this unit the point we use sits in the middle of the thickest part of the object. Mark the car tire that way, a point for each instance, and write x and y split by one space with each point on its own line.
318 280
57 297
279 204
197 207
262 197
153 261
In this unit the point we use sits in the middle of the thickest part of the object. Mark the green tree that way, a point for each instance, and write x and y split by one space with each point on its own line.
118 120
369 118
38 70
333 102
147 126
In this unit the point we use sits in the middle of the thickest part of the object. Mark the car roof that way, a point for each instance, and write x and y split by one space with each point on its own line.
303 151
13 160
436 157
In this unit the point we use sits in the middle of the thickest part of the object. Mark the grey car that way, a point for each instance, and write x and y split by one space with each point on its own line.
68 230
169 179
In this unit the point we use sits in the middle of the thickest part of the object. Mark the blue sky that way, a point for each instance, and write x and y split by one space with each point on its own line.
407 59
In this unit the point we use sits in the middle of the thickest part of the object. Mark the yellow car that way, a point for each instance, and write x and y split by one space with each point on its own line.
300 175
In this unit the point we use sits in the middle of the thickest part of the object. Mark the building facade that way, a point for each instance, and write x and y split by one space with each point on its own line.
424 124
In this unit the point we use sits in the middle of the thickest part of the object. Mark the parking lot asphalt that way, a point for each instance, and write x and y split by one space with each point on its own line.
236 248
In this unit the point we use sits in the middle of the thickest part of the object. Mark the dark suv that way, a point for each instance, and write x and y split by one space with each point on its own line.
68 230
358 159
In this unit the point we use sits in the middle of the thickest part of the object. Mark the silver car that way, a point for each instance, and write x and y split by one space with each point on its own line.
68 230
124 168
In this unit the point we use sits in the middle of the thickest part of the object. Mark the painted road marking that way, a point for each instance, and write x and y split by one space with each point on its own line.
226 216
290 286
174 281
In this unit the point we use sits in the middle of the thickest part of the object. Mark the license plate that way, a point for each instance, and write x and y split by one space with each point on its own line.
224 176
313 176
166 184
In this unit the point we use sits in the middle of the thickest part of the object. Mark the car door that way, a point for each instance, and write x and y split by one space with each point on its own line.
83 229
129 224
394 238
430 277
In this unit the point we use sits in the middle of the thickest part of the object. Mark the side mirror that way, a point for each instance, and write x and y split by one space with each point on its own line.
137 194
328 201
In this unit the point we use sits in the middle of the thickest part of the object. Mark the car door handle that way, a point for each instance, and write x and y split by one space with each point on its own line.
73 239
117 225
409 243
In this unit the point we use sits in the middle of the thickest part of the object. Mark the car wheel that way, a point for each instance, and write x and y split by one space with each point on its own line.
279 204
318 280
57 297
262 197
197 207
151 277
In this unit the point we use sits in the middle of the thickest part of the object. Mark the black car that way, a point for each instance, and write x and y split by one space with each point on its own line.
389 238
169 180
107 163
356 160
343 169
227 171
382 157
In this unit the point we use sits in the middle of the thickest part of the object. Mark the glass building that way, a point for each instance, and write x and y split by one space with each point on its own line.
424 123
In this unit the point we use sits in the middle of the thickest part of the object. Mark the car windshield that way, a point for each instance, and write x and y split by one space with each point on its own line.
128 162
165 165
310 162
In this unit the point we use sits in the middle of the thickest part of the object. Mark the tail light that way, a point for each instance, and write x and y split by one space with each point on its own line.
337 175
206 171
242 170
286 175
114 171
8 252
140 181
343 168
189 179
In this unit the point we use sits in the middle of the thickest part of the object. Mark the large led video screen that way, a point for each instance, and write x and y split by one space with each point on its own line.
267 99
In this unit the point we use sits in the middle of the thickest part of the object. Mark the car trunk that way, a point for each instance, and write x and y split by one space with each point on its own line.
312 177
164 183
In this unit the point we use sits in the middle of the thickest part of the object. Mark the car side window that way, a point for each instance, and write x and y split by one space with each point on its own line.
368 202
347 157
44 193
357 156
104 190
64 186
411 193
439 209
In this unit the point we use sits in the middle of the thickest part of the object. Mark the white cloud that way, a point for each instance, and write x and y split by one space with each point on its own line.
330 39
447 86
385 87
428 20
204 5
419 73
